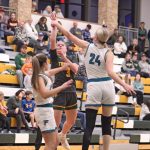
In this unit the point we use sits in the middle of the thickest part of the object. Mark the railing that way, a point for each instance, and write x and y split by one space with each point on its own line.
7 10
116 118
128 33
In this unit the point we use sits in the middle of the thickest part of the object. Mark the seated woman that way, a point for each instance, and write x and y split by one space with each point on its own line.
41 26
120 47
134 47
128 66
138 87
11 25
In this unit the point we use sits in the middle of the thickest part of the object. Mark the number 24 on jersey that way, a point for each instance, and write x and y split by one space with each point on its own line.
94 59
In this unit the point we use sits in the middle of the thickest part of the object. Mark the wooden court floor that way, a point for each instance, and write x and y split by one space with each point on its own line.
42 148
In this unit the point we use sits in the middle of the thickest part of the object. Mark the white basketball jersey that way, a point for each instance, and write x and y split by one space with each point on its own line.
38 98
95 62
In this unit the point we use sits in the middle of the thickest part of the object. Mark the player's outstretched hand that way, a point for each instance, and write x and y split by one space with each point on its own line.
53 19
129 89
67 84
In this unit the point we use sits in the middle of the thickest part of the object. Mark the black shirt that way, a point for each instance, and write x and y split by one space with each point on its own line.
62 76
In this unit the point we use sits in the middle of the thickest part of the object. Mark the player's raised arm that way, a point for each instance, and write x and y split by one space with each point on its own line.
69 35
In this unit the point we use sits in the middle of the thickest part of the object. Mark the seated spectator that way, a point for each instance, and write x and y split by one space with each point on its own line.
82 76
30 30
19 62
127 65
134 47
60 36
11 25
34 7
15 110
41 26
76 31
58 11
121 91
3 22
136 62
138 87
28 106
113 38
145 111
86 33
47 10
145 67
40 46
27 80
27 65
120 47
3 114
21 37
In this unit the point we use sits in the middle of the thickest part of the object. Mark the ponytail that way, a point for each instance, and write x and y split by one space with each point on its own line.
37 64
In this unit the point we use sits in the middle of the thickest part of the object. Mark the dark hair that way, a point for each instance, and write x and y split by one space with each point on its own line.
28 93
42 20
136 75
89 26
18 92
37 64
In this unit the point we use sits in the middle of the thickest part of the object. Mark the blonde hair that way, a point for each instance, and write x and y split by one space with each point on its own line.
102 35
37 64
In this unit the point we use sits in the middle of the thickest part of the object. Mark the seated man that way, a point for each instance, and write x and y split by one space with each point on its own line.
15 110
28 106
19 62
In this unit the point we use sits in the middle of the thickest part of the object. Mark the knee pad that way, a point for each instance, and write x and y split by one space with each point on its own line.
106 125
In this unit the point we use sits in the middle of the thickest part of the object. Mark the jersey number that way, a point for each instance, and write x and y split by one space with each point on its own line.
94 59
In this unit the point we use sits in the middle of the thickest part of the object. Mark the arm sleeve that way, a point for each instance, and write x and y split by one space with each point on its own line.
54 59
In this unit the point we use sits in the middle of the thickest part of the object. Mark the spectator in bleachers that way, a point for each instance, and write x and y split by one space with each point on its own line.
27 65
41 26
15 110
58 11
47 10
145 67
60 36
75 30
127 65
11 25
21 37
30 30
145 111
3 114
138 88
40 44
142 36
136 62
19 62
28 106
3 22
80 56
34 7
120 47
134 47
86 33
27 80
113 38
